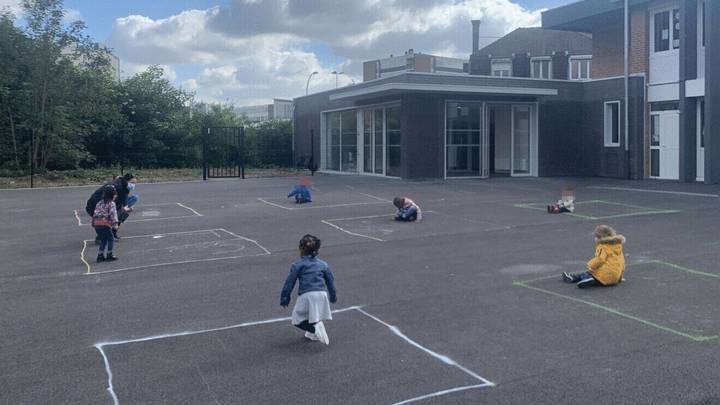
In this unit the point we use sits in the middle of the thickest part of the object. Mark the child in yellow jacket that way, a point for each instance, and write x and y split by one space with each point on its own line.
608 266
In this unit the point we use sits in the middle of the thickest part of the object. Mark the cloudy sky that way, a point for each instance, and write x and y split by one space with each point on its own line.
249 51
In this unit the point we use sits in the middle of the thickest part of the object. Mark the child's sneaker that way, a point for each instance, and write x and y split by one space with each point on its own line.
100 258
588 282
321 333
110 258
567 277
311 336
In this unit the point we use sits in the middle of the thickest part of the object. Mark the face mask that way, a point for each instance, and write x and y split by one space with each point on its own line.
131 186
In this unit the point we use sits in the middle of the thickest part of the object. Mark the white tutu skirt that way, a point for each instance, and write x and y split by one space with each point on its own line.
313 306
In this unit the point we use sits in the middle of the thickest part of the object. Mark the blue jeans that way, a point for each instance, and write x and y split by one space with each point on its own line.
409 214
105 236
132 200
577 277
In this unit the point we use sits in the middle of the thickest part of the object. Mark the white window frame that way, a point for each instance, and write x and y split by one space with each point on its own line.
607 125
503 61
579 58
671 35
541 59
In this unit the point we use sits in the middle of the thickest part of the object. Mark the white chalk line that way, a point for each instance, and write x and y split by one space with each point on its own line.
188 208
445 359
443 392
351 233
218 329
195 214
213 259
372 216
308 207
82 256
642 190
110 387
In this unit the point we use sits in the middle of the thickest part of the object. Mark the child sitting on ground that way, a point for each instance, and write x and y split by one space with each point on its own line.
408 211
316 282
608 266
105 219
565 204
301 192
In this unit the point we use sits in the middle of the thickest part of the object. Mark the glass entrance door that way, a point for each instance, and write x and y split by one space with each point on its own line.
374 141
521 136
464 136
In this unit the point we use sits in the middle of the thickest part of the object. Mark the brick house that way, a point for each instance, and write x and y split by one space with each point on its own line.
514 114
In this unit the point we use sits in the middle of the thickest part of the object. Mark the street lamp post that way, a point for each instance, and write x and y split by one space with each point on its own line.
336 73
307 85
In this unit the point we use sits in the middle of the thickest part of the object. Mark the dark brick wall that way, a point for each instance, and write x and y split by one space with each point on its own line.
479 65
560 65
521 65
613 161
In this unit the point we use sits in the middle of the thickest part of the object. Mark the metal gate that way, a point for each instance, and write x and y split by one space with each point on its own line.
223 152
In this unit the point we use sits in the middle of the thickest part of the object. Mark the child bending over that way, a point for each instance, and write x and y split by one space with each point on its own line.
301 192
408 211
608 266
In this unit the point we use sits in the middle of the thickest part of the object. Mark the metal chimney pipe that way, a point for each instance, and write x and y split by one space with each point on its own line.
476 35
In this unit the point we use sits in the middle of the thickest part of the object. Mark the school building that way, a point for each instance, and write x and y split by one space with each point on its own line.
546 101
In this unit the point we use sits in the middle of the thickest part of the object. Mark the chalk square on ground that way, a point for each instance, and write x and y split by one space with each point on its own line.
163 249
337 198
658 294
263 363
148 212
384 227
599 209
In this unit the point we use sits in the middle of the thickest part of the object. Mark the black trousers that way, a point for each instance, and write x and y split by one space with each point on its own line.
306 326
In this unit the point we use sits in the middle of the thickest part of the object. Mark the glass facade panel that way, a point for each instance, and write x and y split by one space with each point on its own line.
462 130
676 29
367 141
655 130
348 156
393 139
332 151
521 140
662 31
655 162
379 118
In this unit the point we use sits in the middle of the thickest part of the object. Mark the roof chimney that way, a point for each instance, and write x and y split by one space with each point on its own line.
476 35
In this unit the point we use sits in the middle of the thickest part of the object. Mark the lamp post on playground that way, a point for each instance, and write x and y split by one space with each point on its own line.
336 73
308 82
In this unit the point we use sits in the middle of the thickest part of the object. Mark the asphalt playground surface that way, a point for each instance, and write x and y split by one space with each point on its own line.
465 307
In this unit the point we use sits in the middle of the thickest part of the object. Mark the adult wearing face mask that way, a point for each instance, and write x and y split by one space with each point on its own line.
125 202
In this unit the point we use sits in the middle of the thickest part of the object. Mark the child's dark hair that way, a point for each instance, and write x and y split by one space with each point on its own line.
398 202
309 245
108 193
128 176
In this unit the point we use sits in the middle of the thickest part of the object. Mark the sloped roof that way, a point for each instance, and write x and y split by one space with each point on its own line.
539 42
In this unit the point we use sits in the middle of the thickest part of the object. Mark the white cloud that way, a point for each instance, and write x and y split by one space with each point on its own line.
260 49
14 7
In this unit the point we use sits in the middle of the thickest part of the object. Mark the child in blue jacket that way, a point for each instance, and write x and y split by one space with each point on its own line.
301 192
316 283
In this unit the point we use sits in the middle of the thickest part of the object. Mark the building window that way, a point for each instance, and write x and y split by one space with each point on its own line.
501 67
655 145
541 68
663 35
393 145
463 126
580 67
612 123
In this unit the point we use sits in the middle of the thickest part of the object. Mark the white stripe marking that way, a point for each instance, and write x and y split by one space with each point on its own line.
275 205
642 190
307 207
188 208
445 359
212 231
110 387
443 392
78 218
351 233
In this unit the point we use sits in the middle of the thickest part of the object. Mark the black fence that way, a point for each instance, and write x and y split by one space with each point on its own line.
223 152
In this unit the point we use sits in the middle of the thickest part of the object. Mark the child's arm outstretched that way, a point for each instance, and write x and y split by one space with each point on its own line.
330 283
293 192
289 285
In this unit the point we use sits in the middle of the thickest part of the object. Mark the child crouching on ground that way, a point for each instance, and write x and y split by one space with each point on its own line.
105 219
608 266
408 211
312 306
301 192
